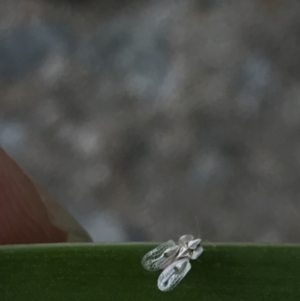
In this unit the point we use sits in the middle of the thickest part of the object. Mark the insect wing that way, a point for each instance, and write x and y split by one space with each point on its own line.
196 253
155 259
184 240
173 274
193 244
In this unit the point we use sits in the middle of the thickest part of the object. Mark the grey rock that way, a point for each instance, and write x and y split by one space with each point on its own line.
255 79
134 52
24 48
210 167
13 134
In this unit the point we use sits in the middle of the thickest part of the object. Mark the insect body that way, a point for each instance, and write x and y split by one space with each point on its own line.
174 259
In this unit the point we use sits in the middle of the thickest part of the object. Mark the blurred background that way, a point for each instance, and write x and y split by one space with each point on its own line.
151 119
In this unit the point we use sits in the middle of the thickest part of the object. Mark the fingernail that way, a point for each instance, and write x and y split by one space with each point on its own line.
24 218
63 219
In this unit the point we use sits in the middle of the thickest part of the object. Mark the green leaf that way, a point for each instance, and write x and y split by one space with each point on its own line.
102 272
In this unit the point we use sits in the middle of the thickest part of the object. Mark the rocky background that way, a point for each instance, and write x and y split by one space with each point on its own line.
151 119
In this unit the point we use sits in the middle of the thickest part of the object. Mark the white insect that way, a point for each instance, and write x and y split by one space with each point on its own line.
174 259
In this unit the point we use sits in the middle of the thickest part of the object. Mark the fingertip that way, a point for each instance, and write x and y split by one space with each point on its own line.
23 216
